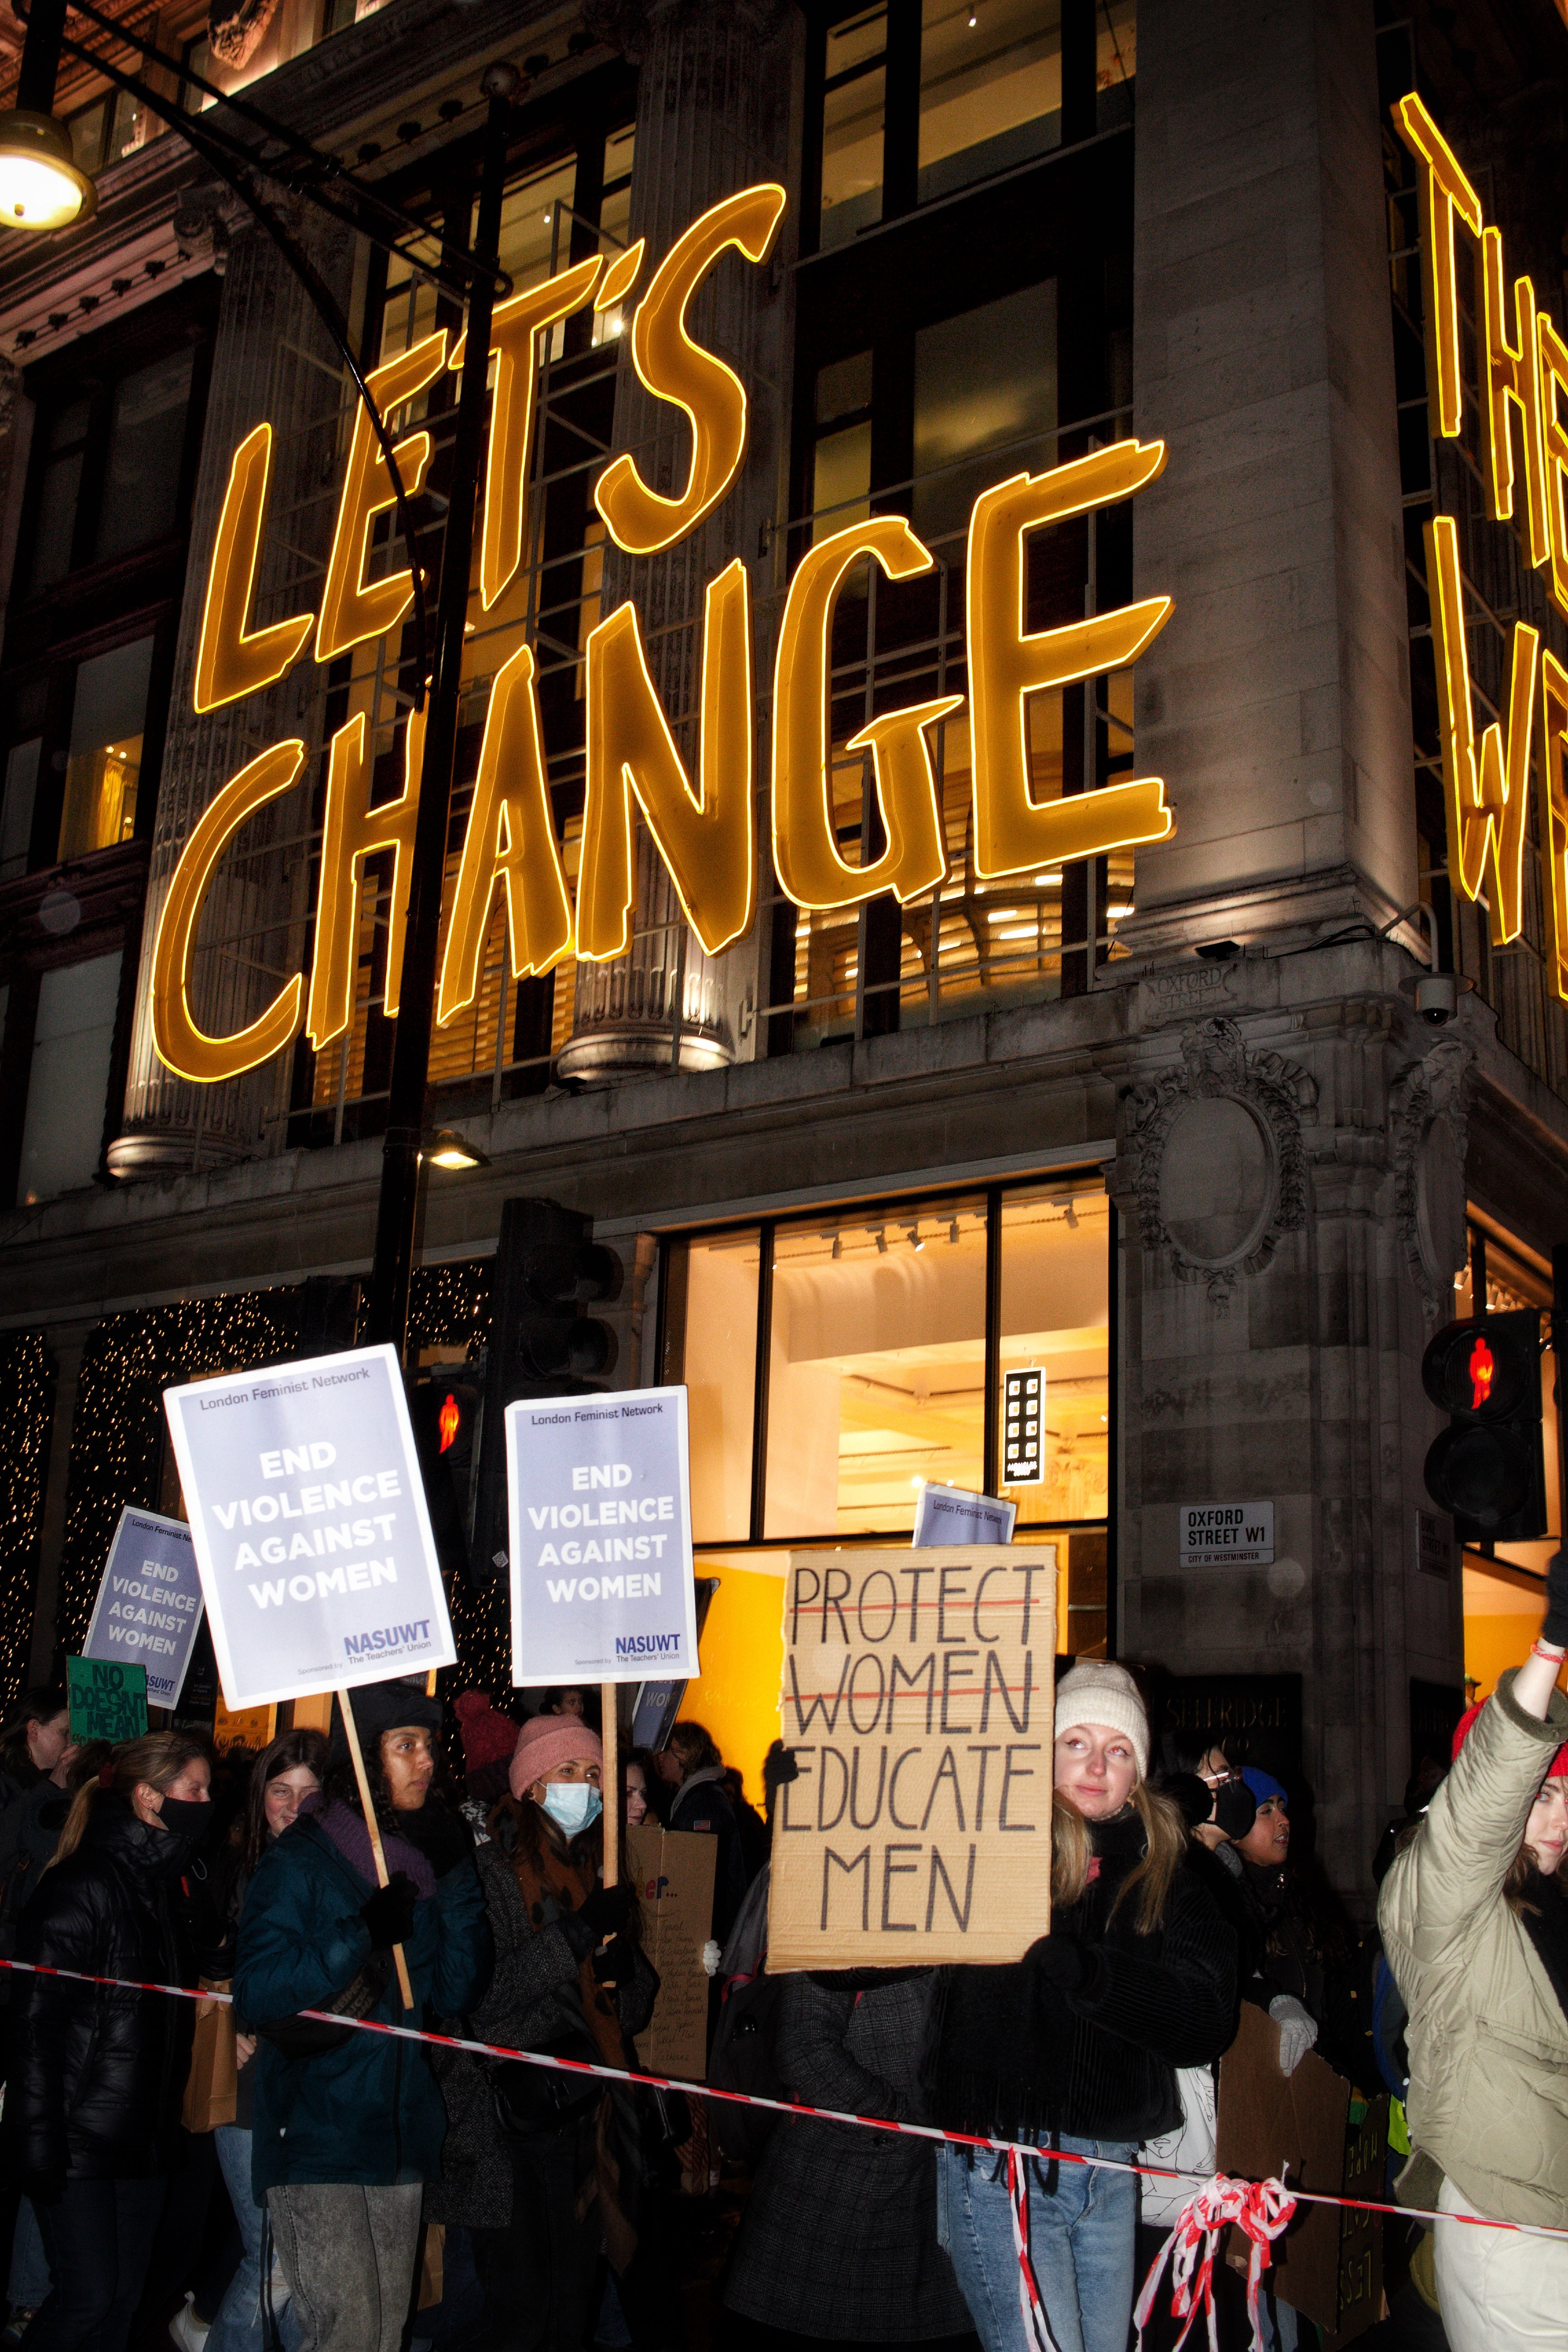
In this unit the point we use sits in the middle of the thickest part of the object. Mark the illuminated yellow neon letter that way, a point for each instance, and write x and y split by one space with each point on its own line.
675 369
351 612
511 839
705 842
1554 434
513 331
352 831
1554 815
1511 373
811 869
186 1050
1012 830
1444 190
1486 810
230 661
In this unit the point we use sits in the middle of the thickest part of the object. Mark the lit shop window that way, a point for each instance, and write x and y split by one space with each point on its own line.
870 1377
104 765
73 1043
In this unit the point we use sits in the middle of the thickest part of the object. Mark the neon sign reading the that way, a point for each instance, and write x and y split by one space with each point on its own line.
703 832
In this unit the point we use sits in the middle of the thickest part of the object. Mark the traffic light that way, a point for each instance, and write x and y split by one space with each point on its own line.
444 1407
1487 1468
548 1270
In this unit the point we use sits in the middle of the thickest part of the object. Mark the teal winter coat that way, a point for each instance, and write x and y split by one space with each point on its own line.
368 2112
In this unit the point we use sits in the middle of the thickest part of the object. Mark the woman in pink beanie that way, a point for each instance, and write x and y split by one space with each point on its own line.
545 2170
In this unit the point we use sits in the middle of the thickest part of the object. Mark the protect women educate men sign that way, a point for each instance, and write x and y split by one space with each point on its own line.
312 1535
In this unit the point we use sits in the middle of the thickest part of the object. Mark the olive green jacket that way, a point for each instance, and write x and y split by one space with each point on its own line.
1487 2037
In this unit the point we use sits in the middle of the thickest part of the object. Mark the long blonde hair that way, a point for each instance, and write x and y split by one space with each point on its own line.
1164 1843
159 1759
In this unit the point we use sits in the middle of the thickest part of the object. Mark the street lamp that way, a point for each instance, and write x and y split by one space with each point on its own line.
40 186
451 1149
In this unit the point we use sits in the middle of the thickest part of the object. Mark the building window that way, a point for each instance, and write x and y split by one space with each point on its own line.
112 469
73 1046
109 717
912 103
869 1335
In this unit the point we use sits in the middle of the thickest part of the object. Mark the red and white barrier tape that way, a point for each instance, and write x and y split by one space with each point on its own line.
1029 2150
1261 2210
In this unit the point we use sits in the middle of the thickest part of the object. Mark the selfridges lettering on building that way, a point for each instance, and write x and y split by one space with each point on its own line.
1005 826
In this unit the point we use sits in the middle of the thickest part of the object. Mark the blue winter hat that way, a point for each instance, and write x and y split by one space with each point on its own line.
1263 1785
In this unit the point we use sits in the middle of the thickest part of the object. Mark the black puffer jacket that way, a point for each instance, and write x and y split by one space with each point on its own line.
95 2077
1087 2044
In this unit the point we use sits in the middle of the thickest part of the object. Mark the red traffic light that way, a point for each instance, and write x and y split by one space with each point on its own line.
1485 1369
447 1419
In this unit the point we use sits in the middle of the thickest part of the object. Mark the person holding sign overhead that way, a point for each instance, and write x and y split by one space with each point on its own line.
1075 2047
346 2125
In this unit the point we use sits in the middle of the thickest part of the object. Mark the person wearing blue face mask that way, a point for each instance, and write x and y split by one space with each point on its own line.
546 2170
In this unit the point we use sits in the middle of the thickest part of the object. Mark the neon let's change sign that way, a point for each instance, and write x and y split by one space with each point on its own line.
704 833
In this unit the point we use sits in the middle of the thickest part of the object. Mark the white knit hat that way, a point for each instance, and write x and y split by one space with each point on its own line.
1096 1691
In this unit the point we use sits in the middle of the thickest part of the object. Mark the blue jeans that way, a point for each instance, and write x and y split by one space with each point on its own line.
238 2325
1080 2240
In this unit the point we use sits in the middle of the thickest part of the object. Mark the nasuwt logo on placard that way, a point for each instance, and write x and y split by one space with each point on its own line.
646 1645
413 1636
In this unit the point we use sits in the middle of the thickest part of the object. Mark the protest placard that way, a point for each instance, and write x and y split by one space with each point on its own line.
672 1871
149 1603
917 1697
1266 2120
951 1514
599 1514
312 1535
106 1699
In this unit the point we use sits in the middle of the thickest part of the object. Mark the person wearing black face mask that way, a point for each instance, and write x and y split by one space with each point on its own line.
96 2072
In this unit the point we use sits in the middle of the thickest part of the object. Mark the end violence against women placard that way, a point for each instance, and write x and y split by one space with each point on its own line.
311 1529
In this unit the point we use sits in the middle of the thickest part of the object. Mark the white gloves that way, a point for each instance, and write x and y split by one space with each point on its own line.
1298 2029
712 1954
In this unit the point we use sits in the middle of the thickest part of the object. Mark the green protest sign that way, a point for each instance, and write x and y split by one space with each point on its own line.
107 1699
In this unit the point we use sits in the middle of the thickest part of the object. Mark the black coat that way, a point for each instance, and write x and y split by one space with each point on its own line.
1084 2040
839 2237
95 2076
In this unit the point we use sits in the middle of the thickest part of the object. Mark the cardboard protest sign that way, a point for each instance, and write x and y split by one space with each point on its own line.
308 1516
917 1697
1266 2119
599 1510
672 1871
1361 2234
108 1700
149 1603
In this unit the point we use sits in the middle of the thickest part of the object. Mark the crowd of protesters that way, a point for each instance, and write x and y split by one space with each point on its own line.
361 2192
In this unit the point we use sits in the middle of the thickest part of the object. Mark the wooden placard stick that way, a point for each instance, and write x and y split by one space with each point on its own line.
611 1777
373 1826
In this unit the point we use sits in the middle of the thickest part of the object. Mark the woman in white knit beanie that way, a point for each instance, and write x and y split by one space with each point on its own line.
1075 2047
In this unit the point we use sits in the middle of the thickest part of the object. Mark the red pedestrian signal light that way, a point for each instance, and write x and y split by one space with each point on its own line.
1486 1468
447 1420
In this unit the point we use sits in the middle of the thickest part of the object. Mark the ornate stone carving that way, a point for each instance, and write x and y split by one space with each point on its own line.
1219 1167
1427 1127
236 28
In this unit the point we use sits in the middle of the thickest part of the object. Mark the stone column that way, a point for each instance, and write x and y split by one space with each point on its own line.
714 115
1276 700
273 361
